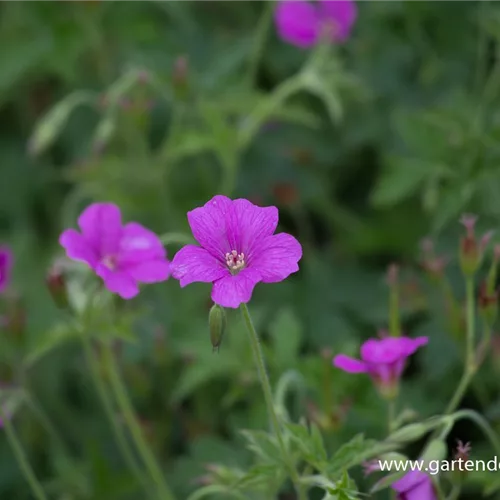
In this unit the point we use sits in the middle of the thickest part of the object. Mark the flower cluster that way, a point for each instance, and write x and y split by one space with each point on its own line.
238 249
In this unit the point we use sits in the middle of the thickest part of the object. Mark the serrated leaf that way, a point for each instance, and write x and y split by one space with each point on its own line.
263 445
350 453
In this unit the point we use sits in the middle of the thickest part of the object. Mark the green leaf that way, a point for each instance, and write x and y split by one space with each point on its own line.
402 178
310 444
351 453
263 445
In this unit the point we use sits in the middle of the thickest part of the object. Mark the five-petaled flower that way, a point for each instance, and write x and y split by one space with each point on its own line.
383 359
303 23
238 250
5 267
416 485
122 255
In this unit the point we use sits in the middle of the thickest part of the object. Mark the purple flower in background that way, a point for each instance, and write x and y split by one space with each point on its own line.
415 485
302 23
238 250
122 255
383 359
5 267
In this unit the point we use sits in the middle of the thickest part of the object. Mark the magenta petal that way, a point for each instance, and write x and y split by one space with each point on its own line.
152 271
192 263
101 226
415 485
342 13
138 244
251 224
231 291
5 267
78 248
209 226
349 364
297 22
118 282
276 257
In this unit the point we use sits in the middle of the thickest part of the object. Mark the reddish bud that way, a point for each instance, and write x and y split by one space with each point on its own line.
471 252
56 284
488 304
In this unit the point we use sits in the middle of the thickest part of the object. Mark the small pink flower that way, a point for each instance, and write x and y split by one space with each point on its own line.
122 255
238 250
383 359
415 485
5 267
302 23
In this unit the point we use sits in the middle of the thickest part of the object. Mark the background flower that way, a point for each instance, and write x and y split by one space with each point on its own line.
303 23
122 255
5 267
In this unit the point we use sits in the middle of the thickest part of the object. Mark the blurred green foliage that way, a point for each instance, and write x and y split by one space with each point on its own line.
157 106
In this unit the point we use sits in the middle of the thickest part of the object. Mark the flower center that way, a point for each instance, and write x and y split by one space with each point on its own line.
235 261
110 262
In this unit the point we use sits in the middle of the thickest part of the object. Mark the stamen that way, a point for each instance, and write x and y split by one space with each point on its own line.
109 261
234 261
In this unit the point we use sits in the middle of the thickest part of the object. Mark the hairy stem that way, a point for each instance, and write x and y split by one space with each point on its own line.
268 396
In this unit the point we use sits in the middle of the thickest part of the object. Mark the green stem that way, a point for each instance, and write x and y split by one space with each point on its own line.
135 429
22 460
256 119
106 399
470 361
268 396
261 34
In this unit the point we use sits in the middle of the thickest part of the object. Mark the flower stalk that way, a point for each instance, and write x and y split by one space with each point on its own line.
21 458
126 408
266 388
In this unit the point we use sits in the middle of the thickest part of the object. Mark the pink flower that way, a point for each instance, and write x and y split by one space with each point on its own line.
383 359
122 255
415 485
5 267
303 23
238 250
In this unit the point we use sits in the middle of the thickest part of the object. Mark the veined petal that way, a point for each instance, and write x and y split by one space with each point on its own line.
251 224
297 22
276 257
209 226
78 248
151 271
349 364
192 263
118 282
138 244
231 291
101 226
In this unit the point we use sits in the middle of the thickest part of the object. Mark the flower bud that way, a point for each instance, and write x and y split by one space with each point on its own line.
436 450
488 304
180 77
217 325
56 284
471 251
409 433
